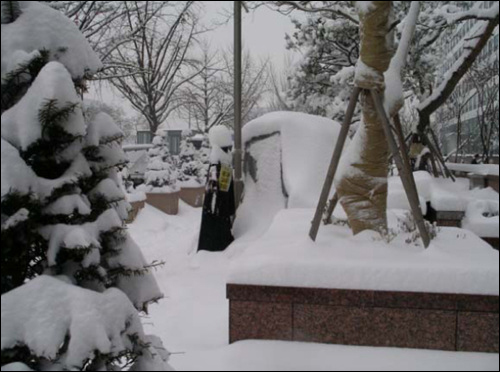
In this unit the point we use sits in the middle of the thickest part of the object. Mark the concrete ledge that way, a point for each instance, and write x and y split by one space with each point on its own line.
451 322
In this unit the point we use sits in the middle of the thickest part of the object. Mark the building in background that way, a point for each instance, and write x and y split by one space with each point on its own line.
459 122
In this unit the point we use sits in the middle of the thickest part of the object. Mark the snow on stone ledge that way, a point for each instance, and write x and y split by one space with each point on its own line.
482 218
479 169
456 262
41 27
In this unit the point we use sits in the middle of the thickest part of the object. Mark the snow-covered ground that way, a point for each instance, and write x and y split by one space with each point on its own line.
193 318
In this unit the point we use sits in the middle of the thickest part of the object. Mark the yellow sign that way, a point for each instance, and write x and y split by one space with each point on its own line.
225 178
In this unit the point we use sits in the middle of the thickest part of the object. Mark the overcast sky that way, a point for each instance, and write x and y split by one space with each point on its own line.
264 33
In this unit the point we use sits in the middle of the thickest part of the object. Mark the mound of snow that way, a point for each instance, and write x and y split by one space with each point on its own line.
289 158
481 217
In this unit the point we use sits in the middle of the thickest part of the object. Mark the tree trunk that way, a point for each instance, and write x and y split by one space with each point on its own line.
362 184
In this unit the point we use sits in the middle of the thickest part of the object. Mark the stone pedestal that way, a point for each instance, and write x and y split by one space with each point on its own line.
193 196
167 203
134 212
446 218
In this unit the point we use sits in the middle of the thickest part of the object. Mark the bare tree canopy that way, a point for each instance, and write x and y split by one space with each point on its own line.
208 99
161 53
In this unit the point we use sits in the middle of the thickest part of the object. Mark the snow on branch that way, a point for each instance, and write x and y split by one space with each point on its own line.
451 15
394 96
312 7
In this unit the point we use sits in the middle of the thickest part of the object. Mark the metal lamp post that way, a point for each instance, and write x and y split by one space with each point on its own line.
238 152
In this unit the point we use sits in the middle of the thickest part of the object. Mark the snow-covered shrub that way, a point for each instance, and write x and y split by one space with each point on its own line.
65 249
161 175
83 323
191 167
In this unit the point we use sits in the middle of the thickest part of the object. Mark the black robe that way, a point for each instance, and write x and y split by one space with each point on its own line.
217 220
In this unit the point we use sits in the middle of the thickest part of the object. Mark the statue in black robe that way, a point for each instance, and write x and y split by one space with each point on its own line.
219 207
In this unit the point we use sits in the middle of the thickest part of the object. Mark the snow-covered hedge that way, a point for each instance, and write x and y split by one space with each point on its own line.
161 175
192 169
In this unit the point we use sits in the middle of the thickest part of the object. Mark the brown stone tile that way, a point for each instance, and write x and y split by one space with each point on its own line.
299 295
260 293
260 321
478 332
409 300
375 327
484 304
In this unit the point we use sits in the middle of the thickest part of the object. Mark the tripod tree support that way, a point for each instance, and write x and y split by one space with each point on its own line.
362 186
334 164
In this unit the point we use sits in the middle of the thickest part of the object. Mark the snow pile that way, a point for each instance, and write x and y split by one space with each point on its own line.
443 194
307 144
288 155
397 195
479 169
364 6
456 262
455 196
136 197
87 322
297 356
481 217
34 31
264 194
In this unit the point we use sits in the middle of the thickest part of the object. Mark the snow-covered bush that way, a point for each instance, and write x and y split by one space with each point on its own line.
161 175
191 167
83 323
67 261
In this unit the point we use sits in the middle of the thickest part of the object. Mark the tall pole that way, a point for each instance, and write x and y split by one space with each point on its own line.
238 153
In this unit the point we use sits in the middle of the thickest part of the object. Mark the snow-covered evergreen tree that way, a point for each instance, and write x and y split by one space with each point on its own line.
191 167
323 80
62 213
161 175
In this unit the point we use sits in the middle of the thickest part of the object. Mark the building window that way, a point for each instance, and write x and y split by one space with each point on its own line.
174 142
144 138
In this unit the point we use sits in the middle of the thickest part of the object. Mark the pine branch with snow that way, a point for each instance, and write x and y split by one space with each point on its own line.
11 11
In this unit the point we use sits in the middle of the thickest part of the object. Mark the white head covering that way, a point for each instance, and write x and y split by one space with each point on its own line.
220 136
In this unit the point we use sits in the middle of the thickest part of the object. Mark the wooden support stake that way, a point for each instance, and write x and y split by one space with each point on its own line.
404 171
334 164
331 208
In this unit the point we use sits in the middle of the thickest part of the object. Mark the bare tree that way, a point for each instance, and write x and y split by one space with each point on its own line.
208 100
103 23
453 112
160 51
280 85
